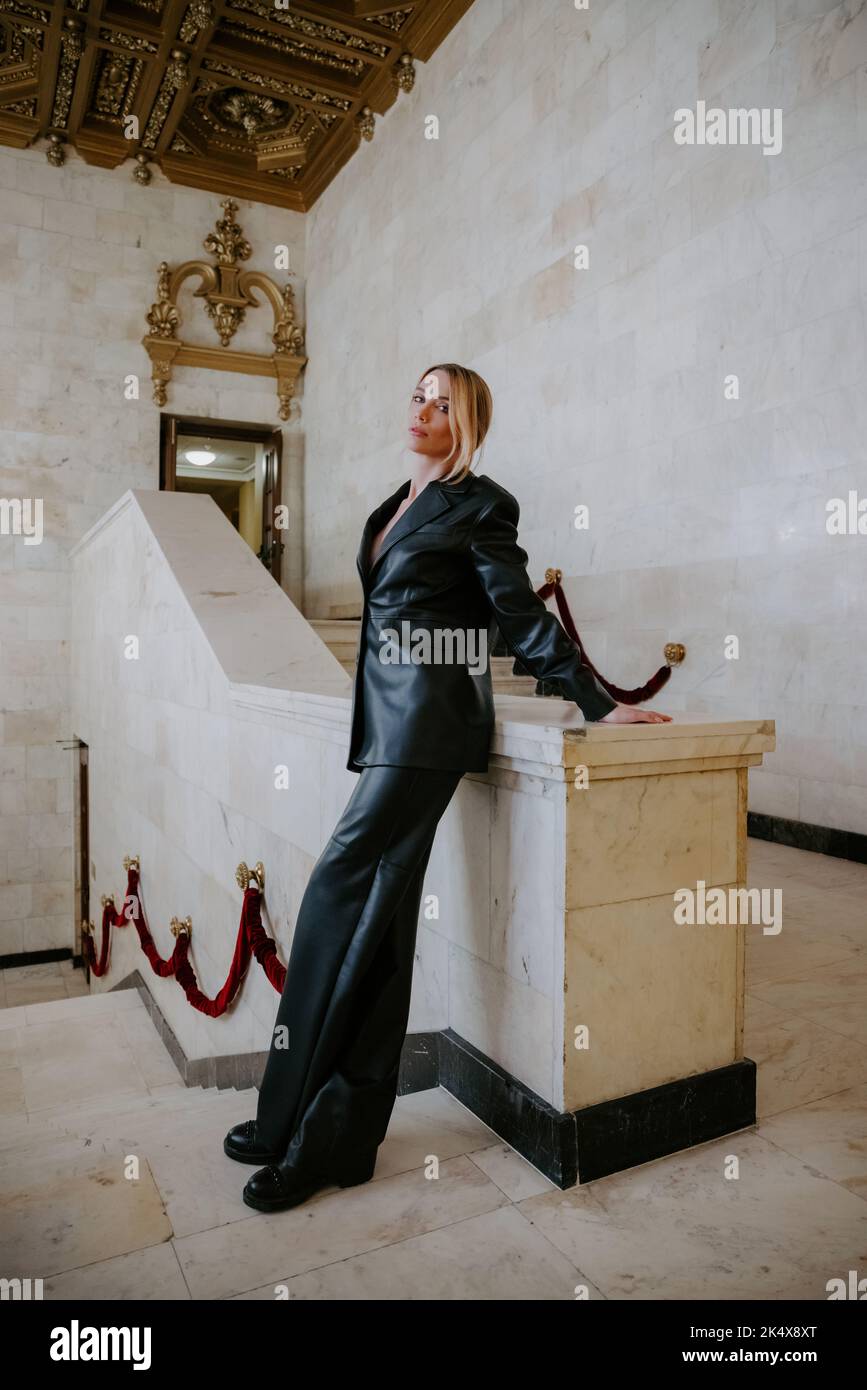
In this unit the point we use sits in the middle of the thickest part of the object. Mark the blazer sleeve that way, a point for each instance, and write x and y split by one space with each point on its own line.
529 629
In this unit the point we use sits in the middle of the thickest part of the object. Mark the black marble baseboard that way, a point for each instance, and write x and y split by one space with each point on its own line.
12 961
821 839
581 1145
634 1129
541 1134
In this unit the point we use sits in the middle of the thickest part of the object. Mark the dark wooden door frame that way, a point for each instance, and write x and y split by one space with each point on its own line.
83 837
272 441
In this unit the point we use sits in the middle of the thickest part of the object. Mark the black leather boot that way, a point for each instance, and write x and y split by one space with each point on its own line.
241 1143
280 1185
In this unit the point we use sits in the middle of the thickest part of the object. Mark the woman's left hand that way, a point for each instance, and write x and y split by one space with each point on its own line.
628 714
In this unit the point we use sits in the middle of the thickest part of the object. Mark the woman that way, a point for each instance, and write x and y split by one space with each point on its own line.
439 563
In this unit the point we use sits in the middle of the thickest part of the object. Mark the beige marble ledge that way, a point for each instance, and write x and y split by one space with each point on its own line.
553 734
547 738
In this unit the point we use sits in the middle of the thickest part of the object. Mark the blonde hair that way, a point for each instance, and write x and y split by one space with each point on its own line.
471 406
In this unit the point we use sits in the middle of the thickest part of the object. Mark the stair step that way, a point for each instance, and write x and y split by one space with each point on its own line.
112 1134
67 1121
341 635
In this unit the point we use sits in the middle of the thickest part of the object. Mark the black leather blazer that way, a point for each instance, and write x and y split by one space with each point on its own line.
451 562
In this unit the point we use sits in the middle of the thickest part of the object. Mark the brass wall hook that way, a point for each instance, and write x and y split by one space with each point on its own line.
131 861
248 878
185 925
553 576
86 927
674 653
105 900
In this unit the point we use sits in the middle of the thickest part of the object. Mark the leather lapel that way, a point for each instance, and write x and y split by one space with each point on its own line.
432 501
427 505
374 523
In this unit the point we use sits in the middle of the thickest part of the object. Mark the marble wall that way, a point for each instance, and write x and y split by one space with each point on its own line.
79 247
707 514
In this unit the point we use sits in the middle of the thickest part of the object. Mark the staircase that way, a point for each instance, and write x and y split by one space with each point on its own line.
341 635
96 1087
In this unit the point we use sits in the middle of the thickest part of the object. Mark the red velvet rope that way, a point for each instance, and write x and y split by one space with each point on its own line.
252 940
625 697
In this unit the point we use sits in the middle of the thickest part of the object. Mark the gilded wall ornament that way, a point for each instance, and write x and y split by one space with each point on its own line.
365 122
404 73
56 152
228 292
141 173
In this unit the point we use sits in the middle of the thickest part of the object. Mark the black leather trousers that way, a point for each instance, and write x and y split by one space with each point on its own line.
329 1093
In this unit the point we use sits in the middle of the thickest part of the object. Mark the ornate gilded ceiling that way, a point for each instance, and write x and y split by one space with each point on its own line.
264 99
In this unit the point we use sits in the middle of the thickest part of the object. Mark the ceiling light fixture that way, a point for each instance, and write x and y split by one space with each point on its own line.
200 457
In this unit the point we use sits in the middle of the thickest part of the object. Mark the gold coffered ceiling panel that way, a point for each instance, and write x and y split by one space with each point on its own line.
263 99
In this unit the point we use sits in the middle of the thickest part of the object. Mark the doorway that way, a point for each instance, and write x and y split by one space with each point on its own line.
235 463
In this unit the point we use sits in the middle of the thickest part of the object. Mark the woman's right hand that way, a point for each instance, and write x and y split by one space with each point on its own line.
628 714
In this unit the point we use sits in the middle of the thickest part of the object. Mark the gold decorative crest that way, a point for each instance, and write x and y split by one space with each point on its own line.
228 292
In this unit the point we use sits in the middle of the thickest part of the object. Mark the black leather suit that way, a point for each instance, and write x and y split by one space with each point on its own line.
451 563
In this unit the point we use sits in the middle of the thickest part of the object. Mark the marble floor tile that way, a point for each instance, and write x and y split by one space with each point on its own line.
58 1219
152 1273
11 1091
679 1229
200 1185
805 866
151 1055
798 1061
88 1006
76 985
430 1122
135 1120
10 1044
81 1117
102 1063
786 955
333 1225
41 970
827 915
830 1135
34 991
834 996
512 1173
34 1155
13 1017
498 1255
758 1013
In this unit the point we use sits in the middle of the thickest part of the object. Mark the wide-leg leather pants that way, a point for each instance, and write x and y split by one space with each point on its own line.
329 1093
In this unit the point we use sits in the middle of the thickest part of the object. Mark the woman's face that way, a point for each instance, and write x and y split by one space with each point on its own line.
428 429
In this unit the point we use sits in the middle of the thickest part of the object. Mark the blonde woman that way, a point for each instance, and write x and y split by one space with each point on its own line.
439 560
